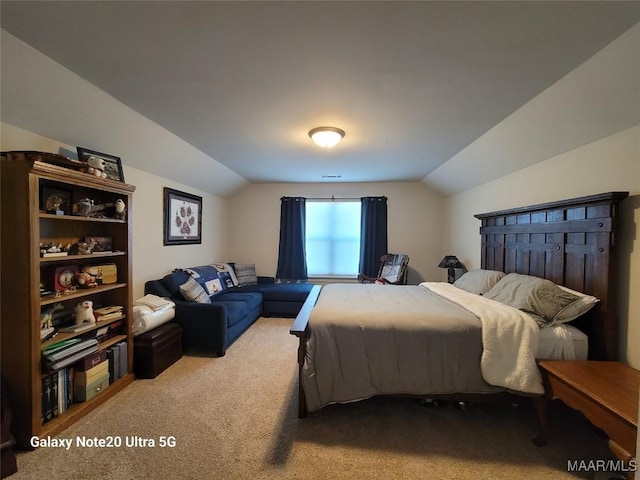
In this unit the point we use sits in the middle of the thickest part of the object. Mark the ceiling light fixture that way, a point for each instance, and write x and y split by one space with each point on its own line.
326 137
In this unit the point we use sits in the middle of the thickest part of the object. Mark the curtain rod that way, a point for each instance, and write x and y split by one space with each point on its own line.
333 198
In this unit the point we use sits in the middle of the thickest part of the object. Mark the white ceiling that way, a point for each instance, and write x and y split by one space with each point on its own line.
412 83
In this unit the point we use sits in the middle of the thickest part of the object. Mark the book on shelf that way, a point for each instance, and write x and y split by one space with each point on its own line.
83 327
56 393
108 331
70 350
113 355
55 254
47 406
60 345
109 316
107 313
71 359
123 359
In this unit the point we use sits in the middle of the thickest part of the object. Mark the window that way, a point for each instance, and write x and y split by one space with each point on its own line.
332 239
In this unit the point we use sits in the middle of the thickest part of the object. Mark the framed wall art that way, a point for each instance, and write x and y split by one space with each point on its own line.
182 218
112 166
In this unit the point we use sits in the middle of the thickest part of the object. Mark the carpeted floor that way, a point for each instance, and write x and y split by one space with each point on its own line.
235 418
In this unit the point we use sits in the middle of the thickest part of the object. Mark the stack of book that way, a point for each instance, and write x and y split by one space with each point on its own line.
57 383
118 361
67 352
107 313
60 388
57 393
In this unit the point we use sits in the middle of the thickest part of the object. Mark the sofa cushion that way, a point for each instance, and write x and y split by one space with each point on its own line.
173 281
239 307
194 292
282 292
246 274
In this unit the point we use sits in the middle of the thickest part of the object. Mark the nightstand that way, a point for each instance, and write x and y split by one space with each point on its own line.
606 393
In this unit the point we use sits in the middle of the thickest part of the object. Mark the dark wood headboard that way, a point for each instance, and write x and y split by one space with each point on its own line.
570 242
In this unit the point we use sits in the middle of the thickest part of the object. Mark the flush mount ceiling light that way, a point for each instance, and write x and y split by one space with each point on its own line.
326 137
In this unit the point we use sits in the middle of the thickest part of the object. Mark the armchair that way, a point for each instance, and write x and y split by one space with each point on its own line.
393 270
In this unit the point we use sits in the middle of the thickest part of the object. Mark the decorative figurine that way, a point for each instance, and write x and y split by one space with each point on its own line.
46 315
85 280
53 204
121 209
84 313
96 167
84 207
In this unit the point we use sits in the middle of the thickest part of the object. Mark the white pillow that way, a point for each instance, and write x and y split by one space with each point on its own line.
479 281
192 291
577 308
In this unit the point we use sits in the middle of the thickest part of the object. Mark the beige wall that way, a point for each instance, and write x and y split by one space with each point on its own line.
609 164
414 212
151 259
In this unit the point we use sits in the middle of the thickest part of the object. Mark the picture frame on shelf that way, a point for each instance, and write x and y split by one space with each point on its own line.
182 218
112 165
100 244
55 201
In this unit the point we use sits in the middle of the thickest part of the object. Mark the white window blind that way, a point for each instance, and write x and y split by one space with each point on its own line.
332 237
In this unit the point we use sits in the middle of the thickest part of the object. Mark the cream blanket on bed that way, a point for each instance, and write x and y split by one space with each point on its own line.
509 340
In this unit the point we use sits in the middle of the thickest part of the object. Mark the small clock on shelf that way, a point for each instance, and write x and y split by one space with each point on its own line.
64 278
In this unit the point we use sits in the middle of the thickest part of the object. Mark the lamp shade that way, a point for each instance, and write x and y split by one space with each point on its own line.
450 261
326 137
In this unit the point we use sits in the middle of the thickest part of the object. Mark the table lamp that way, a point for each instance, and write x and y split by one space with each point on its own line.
451 262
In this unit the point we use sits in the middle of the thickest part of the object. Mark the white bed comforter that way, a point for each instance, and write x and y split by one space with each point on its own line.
509 340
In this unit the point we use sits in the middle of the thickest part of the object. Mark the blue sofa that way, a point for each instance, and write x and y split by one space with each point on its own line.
212 327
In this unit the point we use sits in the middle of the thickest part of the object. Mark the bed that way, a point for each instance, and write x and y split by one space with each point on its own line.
438 340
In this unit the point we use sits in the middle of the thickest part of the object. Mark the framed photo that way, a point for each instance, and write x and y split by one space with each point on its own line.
112 165
56 201
100 244
182 218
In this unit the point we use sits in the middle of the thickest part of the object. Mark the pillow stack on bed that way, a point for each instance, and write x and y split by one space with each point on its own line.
548 303
479 281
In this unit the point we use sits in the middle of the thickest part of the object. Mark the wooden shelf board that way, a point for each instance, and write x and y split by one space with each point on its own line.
80 293
61 336
72 258
78 218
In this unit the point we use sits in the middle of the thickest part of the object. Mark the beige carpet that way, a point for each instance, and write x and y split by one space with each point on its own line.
235 418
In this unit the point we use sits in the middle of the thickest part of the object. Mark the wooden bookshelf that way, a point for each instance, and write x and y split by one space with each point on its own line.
25 179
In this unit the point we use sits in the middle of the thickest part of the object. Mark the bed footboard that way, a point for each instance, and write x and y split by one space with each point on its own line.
300 330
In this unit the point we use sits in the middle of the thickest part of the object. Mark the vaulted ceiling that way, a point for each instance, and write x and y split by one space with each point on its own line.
412 83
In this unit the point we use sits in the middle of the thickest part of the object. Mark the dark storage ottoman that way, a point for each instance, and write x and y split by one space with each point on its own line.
156 350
